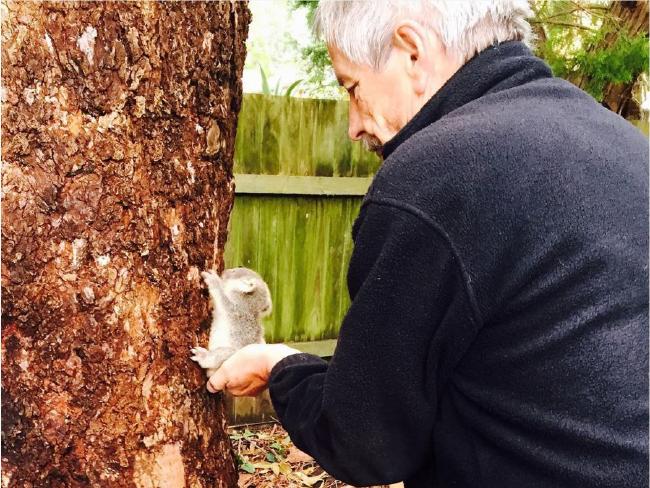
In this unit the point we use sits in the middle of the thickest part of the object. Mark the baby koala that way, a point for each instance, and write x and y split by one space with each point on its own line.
240 298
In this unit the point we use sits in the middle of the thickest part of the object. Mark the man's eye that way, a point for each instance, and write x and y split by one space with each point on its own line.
352 88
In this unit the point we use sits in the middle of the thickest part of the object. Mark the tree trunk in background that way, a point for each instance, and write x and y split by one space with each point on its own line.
630 17
633 17
118 136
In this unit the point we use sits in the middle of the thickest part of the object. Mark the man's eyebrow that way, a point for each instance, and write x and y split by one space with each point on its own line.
340 81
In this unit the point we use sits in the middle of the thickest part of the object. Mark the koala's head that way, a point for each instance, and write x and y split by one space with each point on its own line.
245 287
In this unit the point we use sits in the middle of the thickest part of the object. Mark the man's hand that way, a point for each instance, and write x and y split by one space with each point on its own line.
246 373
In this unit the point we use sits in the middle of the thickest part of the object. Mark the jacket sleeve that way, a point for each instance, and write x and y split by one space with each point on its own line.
368 416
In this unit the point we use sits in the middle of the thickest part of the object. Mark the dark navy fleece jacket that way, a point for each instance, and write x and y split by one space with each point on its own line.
498 331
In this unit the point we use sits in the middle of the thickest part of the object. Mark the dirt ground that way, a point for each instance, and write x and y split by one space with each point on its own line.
268 459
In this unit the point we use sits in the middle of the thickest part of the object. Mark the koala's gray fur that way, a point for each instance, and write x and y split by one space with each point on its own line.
240 298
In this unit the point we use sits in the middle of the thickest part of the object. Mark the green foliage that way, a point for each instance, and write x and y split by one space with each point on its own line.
620 63
584 43
279 56
279 449
265 82
319 64
309 5
266 89
291 88
244 464
277 452
316 57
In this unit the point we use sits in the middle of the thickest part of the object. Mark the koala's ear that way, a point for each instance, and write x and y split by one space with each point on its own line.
245 286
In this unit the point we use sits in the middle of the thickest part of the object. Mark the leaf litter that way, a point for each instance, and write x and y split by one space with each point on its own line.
267 458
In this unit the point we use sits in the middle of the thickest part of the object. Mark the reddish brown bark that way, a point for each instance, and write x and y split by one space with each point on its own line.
118 136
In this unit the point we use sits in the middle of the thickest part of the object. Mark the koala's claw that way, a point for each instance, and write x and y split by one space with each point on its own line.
199 354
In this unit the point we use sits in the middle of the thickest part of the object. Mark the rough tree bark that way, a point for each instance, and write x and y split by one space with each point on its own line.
118 135
630 16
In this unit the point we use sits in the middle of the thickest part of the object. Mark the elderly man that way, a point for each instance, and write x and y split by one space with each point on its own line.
498 330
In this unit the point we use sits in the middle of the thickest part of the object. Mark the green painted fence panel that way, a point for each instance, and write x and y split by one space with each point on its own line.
301 246
298 136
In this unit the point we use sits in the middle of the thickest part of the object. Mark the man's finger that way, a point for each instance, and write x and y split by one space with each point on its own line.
217 382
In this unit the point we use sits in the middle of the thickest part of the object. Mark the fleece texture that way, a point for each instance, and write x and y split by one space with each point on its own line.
498 331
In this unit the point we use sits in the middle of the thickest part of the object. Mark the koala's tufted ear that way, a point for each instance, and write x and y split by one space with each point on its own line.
246 286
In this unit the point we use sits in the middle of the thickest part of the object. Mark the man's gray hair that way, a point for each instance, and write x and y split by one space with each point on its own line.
362 29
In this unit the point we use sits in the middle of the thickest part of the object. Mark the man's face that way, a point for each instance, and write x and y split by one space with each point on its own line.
383 101
379 100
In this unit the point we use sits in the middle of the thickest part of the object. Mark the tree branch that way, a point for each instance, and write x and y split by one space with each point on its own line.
564 24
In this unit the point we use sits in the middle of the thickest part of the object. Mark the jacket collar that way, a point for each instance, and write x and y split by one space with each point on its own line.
497 68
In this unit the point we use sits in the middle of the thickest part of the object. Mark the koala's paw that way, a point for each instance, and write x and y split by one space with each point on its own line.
201 355
211 278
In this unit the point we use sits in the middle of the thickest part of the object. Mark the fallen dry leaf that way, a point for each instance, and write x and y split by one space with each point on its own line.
295 455
308 480
245 480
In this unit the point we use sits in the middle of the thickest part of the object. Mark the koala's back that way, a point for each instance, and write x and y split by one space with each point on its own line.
235 328
247 329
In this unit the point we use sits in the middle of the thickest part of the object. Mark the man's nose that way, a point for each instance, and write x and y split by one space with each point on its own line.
355 126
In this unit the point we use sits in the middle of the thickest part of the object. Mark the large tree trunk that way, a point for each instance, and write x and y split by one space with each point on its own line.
118 135
631 17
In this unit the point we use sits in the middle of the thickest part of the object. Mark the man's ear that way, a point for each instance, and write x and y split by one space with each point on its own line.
411 38
245 286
